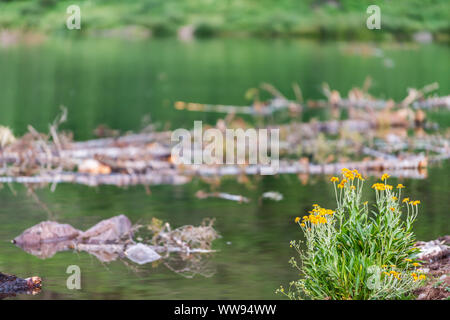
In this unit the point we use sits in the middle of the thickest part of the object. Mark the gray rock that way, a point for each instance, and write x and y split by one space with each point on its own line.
141 254
112 230
45 232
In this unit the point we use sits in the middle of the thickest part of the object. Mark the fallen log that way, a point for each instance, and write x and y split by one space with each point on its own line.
395 167
408 167
265 109
145 158
141 138
430 103
170 177
11 285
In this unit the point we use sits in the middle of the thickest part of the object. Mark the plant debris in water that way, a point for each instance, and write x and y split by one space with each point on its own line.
114 238
353 136
272 195
222 195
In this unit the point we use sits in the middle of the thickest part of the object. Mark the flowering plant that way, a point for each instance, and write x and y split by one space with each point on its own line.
354 252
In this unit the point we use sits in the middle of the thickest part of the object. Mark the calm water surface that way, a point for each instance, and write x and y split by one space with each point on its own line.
118 82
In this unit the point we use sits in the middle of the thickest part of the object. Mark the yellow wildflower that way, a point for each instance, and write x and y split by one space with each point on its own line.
405 200
384 176
349 175
400 186
379 186
334 179
297 219
358 175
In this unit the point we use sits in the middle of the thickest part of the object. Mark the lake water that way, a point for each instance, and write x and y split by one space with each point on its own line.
118 82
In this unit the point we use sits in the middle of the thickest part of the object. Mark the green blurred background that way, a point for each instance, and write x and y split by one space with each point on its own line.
342 19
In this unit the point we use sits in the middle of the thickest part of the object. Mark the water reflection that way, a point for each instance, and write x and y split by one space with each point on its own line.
107 82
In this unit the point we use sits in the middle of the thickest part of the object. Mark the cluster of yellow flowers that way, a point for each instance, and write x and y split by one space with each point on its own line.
352 174
418 277
411 202
349 175
397 274
316 216
393 273
381 186
415 264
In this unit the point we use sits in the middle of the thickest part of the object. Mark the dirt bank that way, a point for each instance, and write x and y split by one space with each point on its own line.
436 264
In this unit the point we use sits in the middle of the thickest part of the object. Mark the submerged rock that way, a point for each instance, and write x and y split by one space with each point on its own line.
111 230
47 231
103 252
141 254
47 249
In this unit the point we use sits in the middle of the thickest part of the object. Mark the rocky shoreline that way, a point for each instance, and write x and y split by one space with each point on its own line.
435 255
